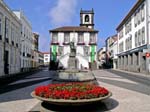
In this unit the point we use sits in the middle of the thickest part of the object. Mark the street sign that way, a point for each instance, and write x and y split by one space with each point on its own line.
147 55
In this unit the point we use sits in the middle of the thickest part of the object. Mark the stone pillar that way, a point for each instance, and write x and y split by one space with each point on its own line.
140 60
134 62
125 62
119 62
129 62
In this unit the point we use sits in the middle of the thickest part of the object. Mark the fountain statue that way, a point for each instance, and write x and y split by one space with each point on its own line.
72 62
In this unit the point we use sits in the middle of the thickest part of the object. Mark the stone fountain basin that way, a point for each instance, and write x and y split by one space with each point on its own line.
74 76
71 102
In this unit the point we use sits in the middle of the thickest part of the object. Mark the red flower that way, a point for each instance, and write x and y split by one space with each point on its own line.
71 91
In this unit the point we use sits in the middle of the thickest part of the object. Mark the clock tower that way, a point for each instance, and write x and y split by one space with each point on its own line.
87 18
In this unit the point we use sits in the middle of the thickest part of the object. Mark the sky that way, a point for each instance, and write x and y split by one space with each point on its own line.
45 15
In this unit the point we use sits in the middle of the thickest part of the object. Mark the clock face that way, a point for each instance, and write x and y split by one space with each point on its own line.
87 18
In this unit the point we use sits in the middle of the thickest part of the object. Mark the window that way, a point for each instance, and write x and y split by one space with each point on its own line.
46 55
80 38
135 19
139 37
12 35
0 27
139 16
54 38
128 26
142 13
136 39
92 38
87 18
86 51
66 38
60 50
143 35
126 45
130 41
121 47
7 29
121 33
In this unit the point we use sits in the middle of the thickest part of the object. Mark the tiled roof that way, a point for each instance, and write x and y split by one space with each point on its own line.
73 29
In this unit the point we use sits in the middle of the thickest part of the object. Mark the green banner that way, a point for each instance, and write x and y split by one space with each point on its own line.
92 53
54 52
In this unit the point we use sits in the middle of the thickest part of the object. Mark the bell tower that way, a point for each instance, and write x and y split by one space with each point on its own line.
87 18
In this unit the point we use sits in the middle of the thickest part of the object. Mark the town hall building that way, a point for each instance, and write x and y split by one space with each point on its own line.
84 38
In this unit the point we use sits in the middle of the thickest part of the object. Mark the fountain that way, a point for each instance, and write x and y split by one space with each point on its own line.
73 74
81 90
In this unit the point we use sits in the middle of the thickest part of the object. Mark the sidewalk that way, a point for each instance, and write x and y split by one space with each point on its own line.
142 75
128 96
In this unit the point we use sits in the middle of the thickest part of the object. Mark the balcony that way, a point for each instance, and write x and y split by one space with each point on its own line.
80 43
54 43
92 43
66 43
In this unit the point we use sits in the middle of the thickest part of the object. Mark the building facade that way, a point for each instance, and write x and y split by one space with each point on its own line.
85 41
84 38
35 50
101 57
41 59
111 51
26 41
46 58
134 38
10 35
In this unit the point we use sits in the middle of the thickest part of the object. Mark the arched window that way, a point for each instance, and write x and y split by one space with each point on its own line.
87 18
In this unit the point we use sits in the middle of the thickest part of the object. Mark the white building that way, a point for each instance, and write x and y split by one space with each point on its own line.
46 58
41 59
134 38
101 57
26 41
111 51
84 38
10 34
35 50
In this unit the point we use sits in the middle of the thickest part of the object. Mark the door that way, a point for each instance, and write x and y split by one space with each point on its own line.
6 63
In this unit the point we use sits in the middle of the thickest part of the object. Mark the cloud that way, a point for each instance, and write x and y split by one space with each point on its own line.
63 12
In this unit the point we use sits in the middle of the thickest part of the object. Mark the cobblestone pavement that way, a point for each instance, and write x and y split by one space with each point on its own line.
129 95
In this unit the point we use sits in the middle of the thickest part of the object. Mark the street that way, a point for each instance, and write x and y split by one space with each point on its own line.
129 94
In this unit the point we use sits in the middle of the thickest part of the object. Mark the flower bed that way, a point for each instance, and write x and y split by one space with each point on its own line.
71 91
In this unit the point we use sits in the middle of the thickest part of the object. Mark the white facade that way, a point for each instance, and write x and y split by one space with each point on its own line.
46 58
87 18
101 55
83 49
112 51
133 37
26 41
10 34
84 38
